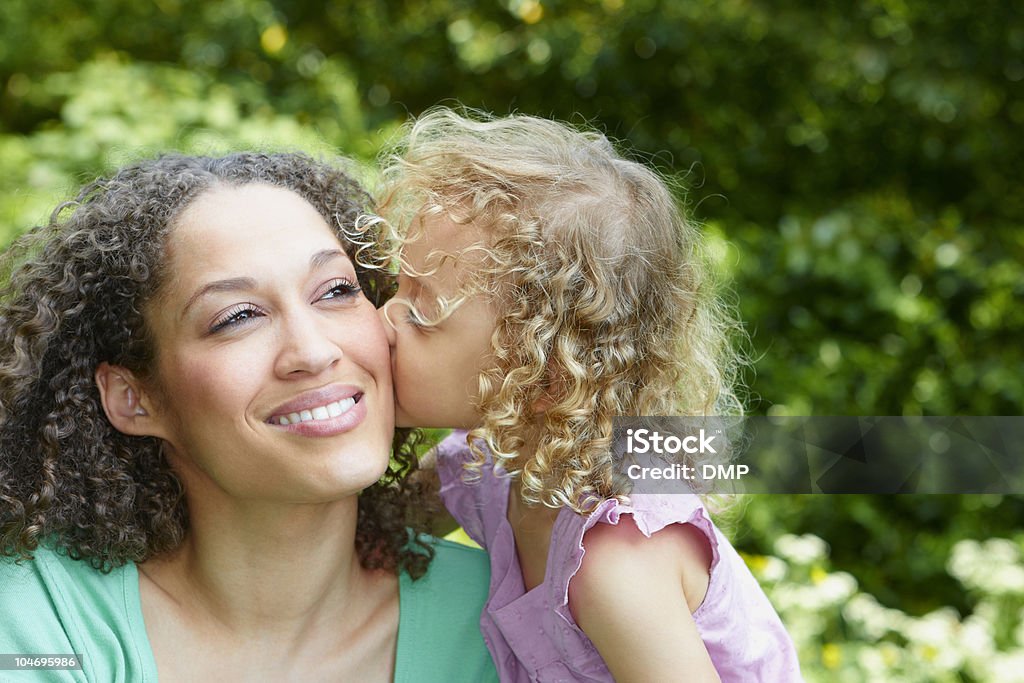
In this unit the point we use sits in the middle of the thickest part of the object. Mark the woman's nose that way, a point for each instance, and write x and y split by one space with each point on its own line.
308 346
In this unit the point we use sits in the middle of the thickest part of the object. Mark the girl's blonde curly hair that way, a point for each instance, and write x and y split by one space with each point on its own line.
605 306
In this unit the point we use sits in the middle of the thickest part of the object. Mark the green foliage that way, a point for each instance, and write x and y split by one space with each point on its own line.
860 159
855 166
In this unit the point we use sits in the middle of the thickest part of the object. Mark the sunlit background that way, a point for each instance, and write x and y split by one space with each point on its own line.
856 166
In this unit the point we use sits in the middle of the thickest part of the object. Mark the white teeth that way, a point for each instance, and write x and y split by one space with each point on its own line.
324 412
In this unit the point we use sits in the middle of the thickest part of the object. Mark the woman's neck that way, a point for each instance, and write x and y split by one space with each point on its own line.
251 567
270 589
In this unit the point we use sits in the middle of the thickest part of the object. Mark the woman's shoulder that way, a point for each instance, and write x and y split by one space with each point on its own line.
439 618
455 569
50 574
58 605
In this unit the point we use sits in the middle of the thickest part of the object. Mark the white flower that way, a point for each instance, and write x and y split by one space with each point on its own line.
1007 667
976 637
1005 580
872 663
1001 551
837 587
773 569
937 629
801 549
992 567
874 620
964 559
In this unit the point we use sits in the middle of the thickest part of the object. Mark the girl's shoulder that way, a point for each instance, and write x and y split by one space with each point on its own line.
734 608
538 631
650 513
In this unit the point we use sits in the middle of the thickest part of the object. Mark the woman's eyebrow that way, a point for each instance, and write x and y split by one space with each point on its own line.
322 258
234 284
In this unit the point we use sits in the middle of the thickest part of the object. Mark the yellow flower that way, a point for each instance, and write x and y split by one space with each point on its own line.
273 39
756 563
831 655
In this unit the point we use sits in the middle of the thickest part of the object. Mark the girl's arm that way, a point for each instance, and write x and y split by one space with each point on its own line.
634 596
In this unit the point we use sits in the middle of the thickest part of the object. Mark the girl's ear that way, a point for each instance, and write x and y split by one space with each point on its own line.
125 402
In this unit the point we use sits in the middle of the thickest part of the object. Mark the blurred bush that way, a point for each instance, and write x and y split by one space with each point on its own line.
857 164
846 635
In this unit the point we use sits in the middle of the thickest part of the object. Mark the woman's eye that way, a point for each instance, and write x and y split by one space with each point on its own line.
236 315
341 288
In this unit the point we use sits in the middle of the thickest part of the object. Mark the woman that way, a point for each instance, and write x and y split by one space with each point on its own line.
195 419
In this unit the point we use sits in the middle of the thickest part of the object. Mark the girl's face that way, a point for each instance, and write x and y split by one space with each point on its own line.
436 367
272 375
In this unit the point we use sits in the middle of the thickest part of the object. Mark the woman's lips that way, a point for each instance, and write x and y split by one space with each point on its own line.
327 426
314 398
321 412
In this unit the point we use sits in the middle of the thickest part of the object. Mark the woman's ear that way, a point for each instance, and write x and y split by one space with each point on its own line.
125 402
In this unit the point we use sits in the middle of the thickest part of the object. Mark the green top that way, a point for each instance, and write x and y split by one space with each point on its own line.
53 605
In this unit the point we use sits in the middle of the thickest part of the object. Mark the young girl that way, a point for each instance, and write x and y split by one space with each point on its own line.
546 286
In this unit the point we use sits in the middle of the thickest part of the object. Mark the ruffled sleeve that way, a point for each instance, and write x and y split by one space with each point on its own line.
741 631
651 513
473 503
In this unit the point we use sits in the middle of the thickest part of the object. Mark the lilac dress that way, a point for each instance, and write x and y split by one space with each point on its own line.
532 634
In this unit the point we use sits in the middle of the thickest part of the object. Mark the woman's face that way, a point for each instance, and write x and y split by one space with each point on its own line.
272 374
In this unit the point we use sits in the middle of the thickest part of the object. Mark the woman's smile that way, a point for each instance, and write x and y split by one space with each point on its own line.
327 411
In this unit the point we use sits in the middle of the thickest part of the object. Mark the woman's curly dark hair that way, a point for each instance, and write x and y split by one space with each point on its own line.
73 296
